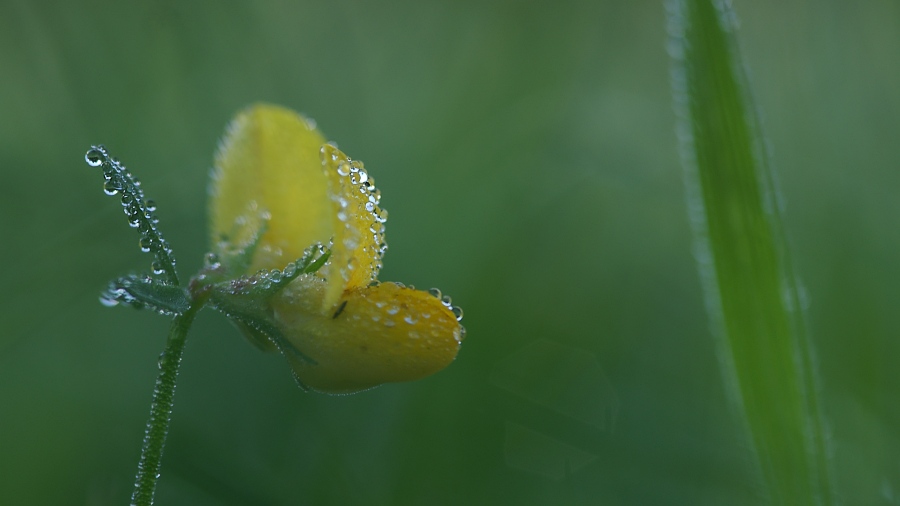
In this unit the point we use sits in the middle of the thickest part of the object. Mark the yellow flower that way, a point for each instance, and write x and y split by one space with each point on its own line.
277 189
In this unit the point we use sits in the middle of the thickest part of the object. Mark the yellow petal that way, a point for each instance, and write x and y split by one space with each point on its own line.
358 225
378 334
268 166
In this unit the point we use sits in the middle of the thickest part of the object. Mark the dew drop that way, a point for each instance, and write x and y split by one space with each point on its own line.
290 269
157 267
110 188
447 301
94 157
435 292
275 276
458 312
150 205
146 243
344 169
410 319
211 260
393 310
108 301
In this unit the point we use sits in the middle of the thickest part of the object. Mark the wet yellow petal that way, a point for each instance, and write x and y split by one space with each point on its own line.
378 334
358 225
268 165
275 179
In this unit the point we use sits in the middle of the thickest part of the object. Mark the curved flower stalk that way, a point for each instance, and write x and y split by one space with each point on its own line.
277 189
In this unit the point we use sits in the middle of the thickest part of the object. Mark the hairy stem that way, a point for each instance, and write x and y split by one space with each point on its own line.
161 409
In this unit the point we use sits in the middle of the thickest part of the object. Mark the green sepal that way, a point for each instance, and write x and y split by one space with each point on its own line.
265 283
145 291
245 302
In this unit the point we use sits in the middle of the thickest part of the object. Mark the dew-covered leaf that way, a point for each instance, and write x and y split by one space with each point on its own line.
141 213
144 291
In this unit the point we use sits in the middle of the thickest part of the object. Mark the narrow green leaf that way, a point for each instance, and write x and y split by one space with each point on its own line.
752 294
141 213
144 291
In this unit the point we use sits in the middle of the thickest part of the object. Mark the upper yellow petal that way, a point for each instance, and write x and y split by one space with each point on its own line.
268 173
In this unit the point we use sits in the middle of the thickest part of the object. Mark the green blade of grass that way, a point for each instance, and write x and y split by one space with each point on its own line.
751 291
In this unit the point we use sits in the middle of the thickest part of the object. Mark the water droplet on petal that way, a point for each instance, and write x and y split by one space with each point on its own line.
435 292
458 312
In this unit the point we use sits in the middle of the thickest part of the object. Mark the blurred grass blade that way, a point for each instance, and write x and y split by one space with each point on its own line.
752 294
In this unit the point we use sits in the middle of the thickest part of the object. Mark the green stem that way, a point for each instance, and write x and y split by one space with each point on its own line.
161 409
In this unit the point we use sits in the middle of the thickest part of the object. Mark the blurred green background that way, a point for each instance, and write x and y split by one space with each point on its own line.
527 156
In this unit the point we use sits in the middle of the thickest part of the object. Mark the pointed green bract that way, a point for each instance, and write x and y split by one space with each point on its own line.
751 290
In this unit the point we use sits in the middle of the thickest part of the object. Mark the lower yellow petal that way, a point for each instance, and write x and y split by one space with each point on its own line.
378 334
